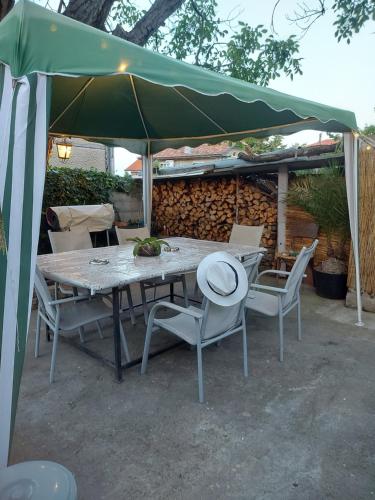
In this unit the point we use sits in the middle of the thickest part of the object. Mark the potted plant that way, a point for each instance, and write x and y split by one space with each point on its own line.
149 247
323 196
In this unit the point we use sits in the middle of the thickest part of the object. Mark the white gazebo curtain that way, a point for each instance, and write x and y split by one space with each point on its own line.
351 176
24 111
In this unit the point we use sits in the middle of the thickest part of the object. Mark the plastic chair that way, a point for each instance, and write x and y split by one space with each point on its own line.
67 315
37 480
200 327
275 301
154 283
80 239
246 235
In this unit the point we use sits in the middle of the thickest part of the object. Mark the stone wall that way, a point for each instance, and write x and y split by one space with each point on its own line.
128 207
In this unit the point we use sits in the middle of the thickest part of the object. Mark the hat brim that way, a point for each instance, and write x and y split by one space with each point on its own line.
242 286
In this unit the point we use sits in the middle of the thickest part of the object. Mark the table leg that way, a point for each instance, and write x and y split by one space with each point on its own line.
116 332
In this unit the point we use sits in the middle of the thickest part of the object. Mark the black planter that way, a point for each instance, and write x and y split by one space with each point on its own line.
330 286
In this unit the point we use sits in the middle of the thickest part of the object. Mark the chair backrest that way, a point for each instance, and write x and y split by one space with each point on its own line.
246 235
298 231
251 266
219 319
65 241
295 277
44 296
138 232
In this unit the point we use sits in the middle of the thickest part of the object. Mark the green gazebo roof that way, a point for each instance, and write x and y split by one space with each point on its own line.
111 90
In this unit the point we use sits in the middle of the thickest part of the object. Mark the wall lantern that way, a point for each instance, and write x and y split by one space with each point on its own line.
64 148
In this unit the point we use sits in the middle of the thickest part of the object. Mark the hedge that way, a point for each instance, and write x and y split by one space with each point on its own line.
74 186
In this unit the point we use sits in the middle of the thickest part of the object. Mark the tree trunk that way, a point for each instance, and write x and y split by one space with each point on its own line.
91 12
95 13
148 25
5 6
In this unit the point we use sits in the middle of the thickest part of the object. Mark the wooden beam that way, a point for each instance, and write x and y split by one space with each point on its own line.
281 207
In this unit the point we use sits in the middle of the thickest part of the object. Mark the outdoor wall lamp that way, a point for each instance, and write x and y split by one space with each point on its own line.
64 148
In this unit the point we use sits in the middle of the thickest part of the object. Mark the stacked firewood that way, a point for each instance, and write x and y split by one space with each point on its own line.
207 208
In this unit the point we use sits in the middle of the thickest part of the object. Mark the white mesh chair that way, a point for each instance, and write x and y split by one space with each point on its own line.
201 327
68 314
154 283
124 234
251 265
80 239
246 235
275 301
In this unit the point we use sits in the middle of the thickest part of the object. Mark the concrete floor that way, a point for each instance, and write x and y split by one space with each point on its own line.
303 429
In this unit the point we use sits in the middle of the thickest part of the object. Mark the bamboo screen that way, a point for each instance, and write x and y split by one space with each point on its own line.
366 223
297 215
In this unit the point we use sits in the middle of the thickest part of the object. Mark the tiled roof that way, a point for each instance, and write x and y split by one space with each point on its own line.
221 149
136 166
324 142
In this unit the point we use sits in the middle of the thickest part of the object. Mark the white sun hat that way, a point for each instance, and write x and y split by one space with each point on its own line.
222 279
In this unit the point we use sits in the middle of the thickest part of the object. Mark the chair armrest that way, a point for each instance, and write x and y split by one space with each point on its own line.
274 271
75 298
258 286
175 307
278 272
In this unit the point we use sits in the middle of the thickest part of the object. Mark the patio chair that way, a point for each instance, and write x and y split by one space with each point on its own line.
68 314
275 301
221 313
154 283
80 239
246 235
251 265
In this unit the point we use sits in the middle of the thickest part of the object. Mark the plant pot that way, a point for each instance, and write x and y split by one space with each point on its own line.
148 251
329 285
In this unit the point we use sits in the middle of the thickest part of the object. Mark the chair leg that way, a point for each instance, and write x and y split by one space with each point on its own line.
171 292
146 348
196 289
185 291
81 334
200 374
124 343
100 331
53 359
131 306
37 335
281 336
299 320
244 343
144 302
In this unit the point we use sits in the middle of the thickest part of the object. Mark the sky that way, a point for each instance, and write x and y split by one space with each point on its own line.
334 73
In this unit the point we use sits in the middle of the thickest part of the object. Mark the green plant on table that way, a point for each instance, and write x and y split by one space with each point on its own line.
149 247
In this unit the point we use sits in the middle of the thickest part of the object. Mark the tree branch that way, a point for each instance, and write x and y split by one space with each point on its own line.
149 24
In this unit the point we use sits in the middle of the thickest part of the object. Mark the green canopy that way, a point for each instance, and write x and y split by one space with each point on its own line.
129 96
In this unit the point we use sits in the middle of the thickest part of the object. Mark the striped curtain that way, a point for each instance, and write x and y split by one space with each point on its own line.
24 114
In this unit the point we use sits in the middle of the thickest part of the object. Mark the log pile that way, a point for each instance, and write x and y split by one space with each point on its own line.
207 209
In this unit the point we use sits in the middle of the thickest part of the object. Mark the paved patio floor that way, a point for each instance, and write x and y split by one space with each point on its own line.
303 429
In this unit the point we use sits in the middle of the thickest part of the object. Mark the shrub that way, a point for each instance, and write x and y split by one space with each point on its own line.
73 186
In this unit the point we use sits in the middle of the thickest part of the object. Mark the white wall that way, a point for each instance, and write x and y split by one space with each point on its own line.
84 155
